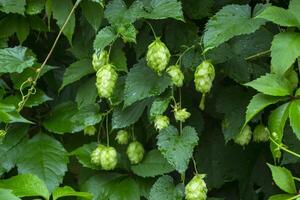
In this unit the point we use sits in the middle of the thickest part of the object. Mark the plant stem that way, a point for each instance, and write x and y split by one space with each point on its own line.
258 54
296 179
152 29
38 72
285 149
184 52
107 134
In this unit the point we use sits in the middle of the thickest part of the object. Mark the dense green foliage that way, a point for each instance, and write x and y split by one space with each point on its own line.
149 99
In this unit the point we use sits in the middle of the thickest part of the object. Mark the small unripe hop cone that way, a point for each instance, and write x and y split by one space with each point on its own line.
135 152
101 60
106 80
196 189
95 155
122 137
244 137
89 130
203 78
261 133
176 75
161 122
158 56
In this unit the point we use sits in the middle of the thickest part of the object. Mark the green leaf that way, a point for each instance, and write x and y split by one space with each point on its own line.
126 189
282 59
67 191
138 86
177 148
11 147
164 189
34 7
125 117
163 9
104 37
159 106
279 16
61 10
276 123
67 118
46 158
281 197
13 6
22 30
195 9
7 194
153 164
86 93
272 84
76 71
294 7
128 33
258 103
9 114
15 59
100 185
93 13
294 114
118 58
83 154
118 94
26 185
283 179
230 21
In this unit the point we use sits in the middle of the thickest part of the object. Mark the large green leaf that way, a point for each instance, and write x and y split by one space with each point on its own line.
125 117
126 189
9 114
164 189
76 71
15 59
67 118
83 154
294 114
230 21
13 6
61 10
93 12
46 158
100 185
138 86
177 148
294 7
272 84
86 93
104 37
153 164
11 147
283 179
34 7
26 185
159 105
67 191
282 59
7 194
282 197
258 103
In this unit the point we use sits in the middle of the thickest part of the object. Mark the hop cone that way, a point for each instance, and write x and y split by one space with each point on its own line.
108 158
122 137
244 137
95 155
158 56
99 61
135 152
196 189
106 80
261 133
89 130
161 122
176 75
181 114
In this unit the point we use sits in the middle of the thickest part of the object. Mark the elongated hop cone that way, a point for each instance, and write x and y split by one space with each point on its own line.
204 76
100 60
176 75
106 81
196 189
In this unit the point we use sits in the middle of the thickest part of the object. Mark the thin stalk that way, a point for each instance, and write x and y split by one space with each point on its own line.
184 52
152 29
258 54
285 149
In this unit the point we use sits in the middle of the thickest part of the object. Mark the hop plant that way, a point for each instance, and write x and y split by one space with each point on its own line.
122 137
261 133
135 152
108 158
176 74
106 80
181 114
203 78
244 137
196 189
161 122
89 130
101 60
158 56
95 155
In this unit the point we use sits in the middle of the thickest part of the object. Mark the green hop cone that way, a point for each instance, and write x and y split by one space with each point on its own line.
244 137
161 122
203 78
106 80
2 133
99 61
158 56
89 130
176 74
196 189
95 155
122 137
108 158
135 152
181 114
261 133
